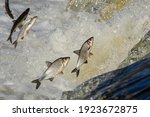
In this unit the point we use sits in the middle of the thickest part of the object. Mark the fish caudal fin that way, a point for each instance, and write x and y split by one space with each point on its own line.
9 39
15 43
77 71
38 83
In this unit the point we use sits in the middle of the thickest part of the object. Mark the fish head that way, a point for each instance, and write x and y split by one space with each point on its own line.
27 10
65 60
90 42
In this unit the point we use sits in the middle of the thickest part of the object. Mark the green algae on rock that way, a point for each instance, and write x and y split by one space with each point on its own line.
138 52
103 7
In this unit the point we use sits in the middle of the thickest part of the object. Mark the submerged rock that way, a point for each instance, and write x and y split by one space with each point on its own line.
130 81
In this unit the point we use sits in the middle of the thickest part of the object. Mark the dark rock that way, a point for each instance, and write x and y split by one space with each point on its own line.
131 82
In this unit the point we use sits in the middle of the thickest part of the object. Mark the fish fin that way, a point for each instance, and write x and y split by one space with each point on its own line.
76 52
48 63
9 39
51 79
91 54
38 83
76 70
15 43
61 72
86 62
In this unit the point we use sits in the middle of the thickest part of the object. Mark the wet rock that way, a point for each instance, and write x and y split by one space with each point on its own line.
131 82
140 51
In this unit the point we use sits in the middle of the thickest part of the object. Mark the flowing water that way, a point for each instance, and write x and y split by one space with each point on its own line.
58 32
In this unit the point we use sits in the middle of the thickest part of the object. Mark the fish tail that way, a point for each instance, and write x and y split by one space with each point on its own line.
9 39
15 43
77 71
38 83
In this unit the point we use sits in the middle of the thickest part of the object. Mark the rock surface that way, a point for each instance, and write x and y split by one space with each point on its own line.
105 8
138 52
130 82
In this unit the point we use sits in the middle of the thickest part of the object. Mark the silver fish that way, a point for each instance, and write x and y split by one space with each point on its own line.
18 23
25 30
53 69
83 54
8 11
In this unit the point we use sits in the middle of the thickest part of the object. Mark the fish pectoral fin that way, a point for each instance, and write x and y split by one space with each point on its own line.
15 43
22 37
77 52
48 63
51 79
61 72
86 62
90 54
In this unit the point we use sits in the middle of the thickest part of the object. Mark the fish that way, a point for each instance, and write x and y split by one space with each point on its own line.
8 11
83 54
18 23
53 69
25 30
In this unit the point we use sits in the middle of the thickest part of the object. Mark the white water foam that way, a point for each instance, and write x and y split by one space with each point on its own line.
58 33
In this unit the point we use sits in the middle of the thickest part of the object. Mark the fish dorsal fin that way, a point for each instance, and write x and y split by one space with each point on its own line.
48 63
77 52
86 62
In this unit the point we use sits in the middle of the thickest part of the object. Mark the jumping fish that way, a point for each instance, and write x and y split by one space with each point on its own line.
83 54
52 70
25 30
18 23
8 11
